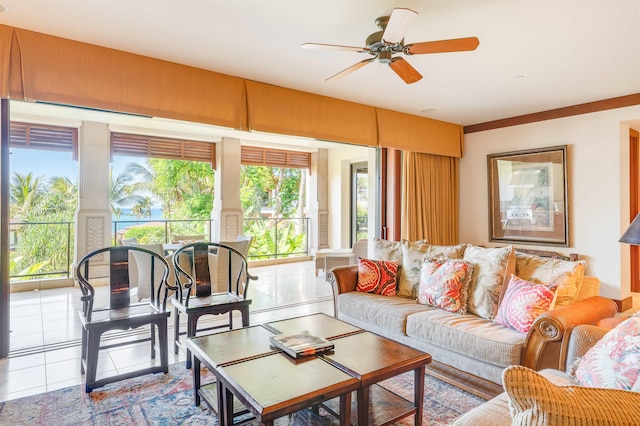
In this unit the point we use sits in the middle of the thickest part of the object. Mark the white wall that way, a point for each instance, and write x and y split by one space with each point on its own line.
598 170
340 158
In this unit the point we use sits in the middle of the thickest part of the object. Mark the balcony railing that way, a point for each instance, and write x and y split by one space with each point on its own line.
40 250
45 249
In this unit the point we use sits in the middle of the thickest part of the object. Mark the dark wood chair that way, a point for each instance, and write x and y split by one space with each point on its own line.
119 313
216 284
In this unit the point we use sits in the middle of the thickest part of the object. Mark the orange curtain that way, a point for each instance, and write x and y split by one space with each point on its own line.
430 202
419 134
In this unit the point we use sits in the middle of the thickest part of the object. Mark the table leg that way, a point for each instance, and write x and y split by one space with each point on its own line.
227 405
419 394
196 380
363 406
345 409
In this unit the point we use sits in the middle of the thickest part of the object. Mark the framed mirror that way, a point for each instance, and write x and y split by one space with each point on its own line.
528 200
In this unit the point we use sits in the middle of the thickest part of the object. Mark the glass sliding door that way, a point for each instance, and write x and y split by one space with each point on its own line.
359 201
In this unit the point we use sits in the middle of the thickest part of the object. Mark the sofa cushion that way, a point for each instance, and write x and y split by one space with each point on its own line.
412 258
385 312
444 284
386 250
534 400
613 361
492 269
413 254
377 276
468 334
523 302
568 275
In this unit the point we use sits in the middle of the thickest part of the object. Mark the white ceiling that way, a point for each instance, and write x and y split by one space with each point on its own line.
533 55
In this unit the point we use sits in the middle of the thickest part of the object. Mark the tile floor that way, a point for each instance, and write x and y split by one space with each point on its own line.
45 330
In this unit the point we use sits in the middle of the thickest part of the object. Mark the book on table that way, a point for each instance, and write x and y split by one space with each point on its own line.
301 343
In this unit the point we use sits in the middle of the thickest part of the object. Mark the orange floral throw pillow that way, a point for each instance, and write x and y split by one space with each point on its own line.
377 276
444 284
523 302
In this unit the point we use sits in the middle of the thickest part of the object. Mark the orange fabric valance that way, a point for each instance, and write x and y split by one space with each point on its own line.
419 134
70 72
279 110
46 68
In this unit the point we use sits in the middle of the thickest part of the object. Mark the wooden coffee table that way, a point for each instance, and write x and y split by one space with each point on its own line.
270 384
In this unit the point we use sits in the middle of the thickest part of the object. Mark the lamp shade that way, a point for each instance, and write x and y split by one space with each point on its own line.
632 234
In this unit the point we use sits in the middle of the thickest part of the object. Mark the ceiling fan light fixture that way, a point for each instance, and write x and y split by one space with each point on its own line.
384 57
399 23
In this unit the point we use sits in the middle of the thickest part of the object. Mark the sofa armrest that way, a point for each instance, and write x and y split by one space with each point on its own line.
343 279
542 347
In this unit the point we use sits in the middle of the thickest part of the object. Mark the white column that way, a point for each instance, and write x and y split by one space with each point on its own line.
227 210
93 217
318 201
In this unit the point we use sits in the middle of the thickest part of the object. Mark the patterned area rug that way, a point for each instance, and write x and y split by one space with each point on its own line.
167 399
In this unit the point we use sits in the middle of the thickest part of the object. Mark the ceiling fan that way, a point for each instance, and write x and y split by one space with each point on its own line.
383 44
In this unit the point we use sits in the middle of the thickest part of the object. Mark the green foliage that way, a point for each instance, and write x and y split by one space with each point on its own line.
184 188
43 248
275 238
146 234
27 272
275 188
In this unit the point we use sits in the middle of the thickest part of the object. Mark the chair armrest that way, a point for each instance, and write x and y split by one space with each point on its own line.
578 341
343 279
542 347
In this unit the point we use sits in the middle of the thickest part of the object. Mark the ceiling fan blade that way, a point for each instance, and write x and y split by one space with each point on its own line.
321 46
399 23
405 71
442 46
351 69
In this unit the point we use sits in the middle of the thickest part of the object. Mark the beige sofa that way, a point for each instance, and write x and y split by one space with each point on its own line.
542 402
467 342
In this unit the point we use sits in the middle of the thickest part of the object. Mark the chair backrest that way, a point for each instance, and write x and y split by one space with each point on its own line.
111 265
215 268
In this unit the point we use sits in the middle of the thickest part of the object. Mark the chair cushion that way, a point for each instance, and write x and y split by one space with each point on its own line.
444 284
523 302
143 266
534 400
613 361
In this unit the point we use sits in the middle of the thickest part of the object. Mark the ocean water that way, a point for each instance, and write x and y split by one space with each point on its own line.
156 214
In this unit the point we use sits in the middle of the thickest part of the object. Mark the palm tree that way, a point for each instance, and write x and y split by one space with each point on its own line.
25 189
122 191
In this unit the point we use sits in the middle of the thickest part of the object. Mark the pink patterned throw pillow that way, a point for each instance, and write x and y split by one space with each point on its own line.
377 276
613 362
444 284
523 302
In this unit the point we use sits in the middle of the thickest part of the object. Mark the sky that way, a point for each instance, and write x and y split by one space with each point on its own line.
53 163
